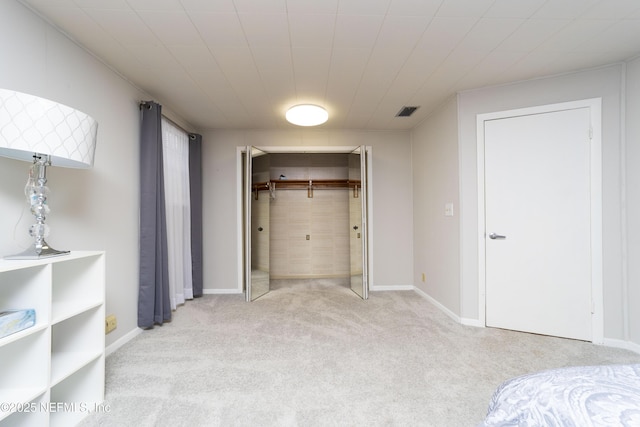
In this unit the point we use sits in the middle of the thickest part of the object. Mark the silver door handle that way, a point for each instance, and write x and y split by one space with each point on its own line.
496 236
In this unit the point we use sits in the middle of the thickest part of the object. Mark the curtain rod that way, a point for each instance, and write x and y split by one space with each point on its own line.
147 105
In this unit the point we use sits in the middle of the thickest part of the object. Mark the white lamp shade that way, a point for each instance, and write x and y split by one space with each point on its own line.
307 115
29 125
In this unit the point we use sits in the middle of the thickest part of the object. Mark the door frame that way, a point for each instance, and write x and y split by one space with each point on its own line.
595 108
301 149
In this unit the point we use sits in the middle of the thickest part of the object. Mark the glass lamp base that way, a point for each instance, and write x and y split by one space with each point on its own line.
33 253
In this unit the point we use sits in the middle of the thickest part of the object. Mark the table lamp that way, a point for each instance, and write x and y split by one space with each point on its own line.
45 133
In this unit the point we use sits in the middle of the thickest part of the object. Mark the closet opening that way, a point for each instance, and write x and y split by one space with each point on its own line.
306 219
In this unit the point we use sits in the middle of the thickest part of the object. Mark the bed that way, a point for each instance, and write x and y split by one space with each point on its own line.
576 396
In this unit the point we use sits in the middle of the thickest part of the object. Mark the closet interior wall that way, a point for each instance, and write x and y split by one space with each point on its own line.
308 236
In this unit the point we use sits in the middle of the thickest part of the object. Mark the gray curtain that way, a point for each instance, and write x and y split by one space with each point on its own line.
195 186
153 295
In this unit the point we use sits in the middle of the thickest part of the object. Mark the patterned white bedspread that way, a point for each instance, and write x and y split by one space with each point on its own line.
577 396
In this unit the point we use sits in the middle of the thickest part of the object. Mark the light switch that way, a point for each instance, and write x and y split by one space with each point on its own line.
448 209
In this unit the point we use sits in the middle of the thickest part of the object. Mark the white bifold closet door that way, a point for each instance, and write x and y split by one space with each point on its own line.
255 229
358 222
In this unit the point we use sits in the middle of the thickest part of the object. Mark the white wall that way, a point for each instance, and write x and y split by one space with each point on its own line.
392 199
605 83
632 144
94 209
324 217
436 244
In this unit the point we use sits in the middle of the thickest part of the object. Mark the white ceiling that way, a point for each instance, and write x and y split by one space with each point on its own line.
241 63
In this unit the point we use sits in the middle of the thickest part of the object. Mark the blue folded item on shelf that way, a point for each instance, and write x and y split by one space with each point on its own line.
12 321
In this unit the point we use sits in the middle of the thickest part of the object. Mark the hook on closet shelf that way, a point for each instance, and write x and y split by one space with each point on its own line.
271 186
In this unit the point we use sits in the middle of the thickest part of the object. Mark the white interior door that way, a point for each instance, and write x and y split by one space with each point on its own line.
538 223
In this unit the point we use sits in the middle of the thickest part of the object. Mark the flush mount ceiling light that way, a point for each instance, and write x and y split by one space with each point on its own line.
307 115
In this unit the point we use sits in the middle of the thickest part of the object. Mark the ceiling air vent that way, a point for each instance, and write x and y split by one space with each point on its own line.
406 111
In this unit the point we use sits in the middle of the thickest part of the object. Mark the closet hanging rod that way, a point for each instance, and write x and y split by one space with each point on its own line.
306 183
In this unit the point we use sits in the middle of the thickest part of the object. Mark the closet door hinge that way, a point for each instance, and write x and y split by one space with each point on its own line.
590 133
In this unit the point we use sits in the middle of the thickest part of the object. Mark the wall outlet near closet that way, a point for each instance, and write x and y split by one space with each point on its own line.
424 277
110 323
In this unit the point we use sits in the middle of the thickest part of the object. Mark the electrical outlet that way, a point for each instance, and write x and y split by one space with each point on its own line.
424 277
111 323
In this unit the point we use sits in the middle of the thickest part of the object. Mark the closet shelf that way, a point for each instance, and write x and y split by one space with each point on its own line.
305 184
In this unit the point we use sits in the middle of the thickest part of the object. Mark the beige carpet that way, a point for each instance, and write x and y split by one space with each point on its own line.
311 353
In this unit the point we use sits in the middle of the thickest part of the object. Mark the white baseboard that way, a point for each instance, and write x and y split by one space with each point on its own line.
444 309
122 341
221 291
626 345
392 288
609 342
472 322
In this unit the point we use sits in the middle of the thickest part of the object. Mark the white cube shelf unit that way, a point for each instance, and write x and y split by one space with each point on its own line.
53 372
